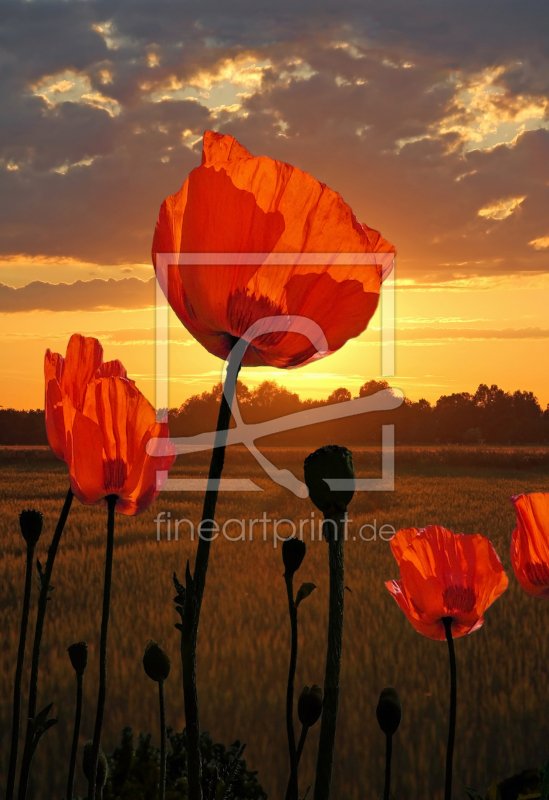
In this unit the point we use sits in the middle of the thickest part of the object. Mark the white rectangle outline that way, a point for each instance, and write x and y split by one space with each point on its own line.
387 307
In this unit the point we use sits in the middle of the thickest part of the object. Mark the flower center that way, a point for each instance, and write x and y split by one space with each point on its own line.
459 598
538 574
115 473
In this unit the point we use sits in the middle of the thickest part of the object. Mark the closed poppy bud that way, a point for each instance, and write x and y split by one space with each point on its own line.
330 461
389 711
156 662
293 553
78 654
309 705
31 525
102 765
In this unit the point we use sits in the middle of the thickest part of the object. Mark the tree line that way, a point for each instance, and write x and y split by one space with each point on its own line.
489 416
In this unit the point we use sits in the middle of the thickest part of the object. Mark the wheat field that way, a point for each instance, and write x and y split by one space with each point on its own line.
244 634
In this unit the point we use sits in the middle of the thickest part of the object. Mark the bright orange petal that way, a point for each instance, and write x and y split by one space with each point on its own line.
530 543
86 472
236 203
84 357
401 540
55 421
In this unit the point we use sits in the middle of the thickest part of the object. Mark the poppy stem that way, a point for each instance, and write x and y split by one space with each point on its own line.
301 745
162 703
102 694
16 724
334 531
76 733
388 757
43 598
447 622
292 792
195 584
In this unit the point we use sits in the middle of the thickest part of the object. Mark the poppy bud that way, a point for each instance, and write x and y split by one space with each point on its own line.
293 553
102 765
31 525
309 705
156 662
389 711
78 654
331 461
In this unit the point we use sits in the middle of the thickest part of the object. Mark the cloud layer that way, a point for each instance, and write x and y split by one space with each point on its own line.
92 295
429 118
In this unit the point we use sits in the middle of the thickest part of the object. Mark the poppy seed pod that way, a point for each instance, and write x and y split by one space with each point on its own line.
389 711
31 522
293 553
102 765
330 461
156 662
309 705
78 654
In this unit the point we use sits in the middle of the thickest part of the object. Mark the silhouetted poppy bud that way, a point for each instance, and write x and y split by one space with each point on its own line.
102 765
331 461
293 553
389 711
78 654
156 662
31 525
309 705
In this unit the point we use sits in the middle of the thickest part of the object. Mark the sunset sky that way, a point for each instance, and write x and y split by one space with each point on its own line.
431 119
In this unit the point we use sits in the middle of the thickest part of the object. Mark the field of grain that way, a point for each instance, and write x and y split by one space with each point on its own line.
244 635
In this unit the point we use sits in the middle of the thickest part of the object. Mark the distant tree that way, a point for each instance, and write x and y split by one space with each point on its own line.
339 396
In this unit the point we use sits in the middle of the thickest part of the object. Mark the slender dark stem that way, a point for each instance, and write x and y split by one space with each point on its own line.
292 792
453 706
301 745
162 702
334 533
388 756
16 724
28 751
196 584
102 694
75 735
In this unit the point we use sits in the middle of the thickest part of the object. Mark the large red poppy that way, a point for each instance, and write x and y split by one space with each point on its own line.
99 423
530 543
235 203
445 574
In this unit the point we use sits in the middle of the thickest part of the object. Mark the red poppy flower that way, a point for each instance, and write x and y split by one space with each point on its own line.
66 382
98 421
445 574
236 203
530 543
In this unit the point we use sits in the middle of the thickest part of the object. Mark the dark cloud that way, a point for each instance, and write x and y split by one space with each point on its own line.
92 295
381 120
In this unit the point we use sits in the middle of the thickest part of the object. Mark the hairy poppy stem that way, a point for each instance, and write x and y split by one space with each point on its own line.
334 532
447 621
196 584
28 751
102 694
16 724
292 792
162 703
388 757
76 734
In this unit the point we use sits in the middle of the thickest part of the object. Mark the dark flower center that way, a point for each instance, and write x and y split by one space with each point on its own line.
537 574
459 598
115 473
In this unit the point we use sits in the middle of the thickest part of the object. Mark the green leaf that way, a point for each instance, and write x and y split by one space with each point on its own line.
303 592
